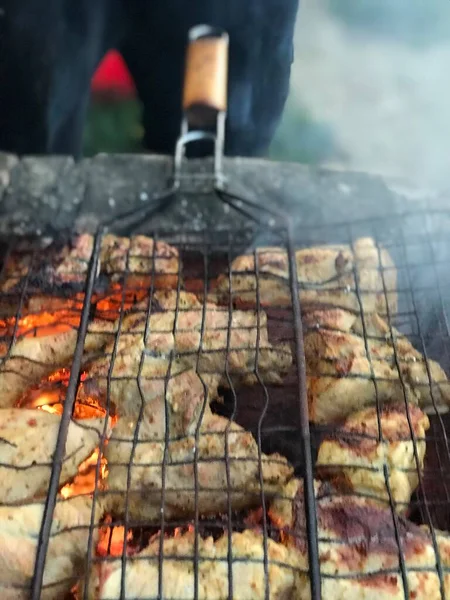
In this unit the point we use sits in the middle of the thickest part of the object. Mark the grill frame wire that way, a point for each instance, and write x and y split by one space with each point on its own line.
75 374
136 433
58 457
414 440
202 412
310 499
401 557
263 413
233 415
351 236
103 437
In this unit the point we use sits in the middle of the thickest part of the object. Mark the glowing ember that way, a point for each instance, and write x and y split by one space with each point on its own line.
50 395
109 307
84 482
52 315
52 400
179 531
49 403
41 324
111 540
254 519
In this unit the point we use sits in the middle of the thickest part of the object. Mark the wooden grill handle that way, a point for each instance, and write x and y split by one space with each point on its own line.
206 74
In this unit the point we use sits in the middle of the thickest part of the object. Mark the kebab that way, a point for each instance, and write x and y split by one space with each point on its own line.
370 440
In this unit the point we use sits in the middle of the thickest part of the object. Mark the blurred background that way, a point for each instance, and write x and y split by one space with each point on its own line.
370 91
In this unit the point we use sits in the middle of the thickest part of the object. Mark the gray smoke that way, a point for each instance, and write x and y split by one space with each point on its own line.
375 74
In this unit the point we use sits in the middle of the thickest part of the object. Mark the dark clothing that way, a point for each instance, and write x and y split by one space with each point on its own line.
49 50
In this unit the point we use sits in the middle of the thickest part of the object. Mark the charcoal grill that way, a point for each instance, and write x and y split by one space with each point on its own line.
417 240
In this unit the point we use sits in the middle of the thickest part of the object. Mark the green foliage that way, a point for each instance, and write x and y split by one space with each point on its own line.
113 126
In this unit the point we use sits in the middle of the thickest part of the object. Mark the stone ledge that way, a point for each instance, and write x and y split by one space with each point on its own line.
39 194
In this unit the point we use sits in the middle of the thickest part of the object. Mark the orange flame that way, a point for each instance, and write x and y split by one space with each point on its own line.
50 401
49 397
84 482
41 324
111 540
45 315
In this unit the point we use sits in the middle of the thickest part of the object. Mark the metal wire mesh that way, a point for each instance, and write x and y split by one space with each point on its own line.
193 501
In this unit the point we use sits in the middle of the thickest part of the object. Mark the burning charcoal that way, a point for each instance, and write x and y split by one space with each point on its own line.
358 543
40 348
326 276
368 441
50 395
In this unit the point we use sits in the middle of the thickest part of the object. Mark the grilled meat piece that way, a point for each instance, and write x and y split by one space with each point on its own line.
27 359
357 455
342 377
248 570
155 351
19 536
40 266
136 378
140 260
159 468
358 549
221 340
164 395
27 442
325 276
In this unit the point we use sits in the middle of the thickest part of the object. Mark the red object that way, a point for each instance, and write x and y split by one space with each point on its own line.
113 76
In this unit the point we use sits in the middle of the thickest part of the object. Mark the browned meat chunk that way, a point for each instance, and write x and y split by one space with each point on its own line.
171 398
140 259
358 549
197 443
342 377
152 348
360 449
249 575
326 276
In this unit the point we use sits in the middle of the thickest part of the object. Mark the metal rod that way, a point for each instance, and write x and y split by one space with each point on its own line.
408 416
140 418
118 332
310 497
260 422
58 457
219 146
232 417
136 217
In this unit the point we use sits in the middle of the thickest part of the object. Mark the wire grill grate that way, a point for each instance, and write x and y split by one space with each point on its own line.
275 416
